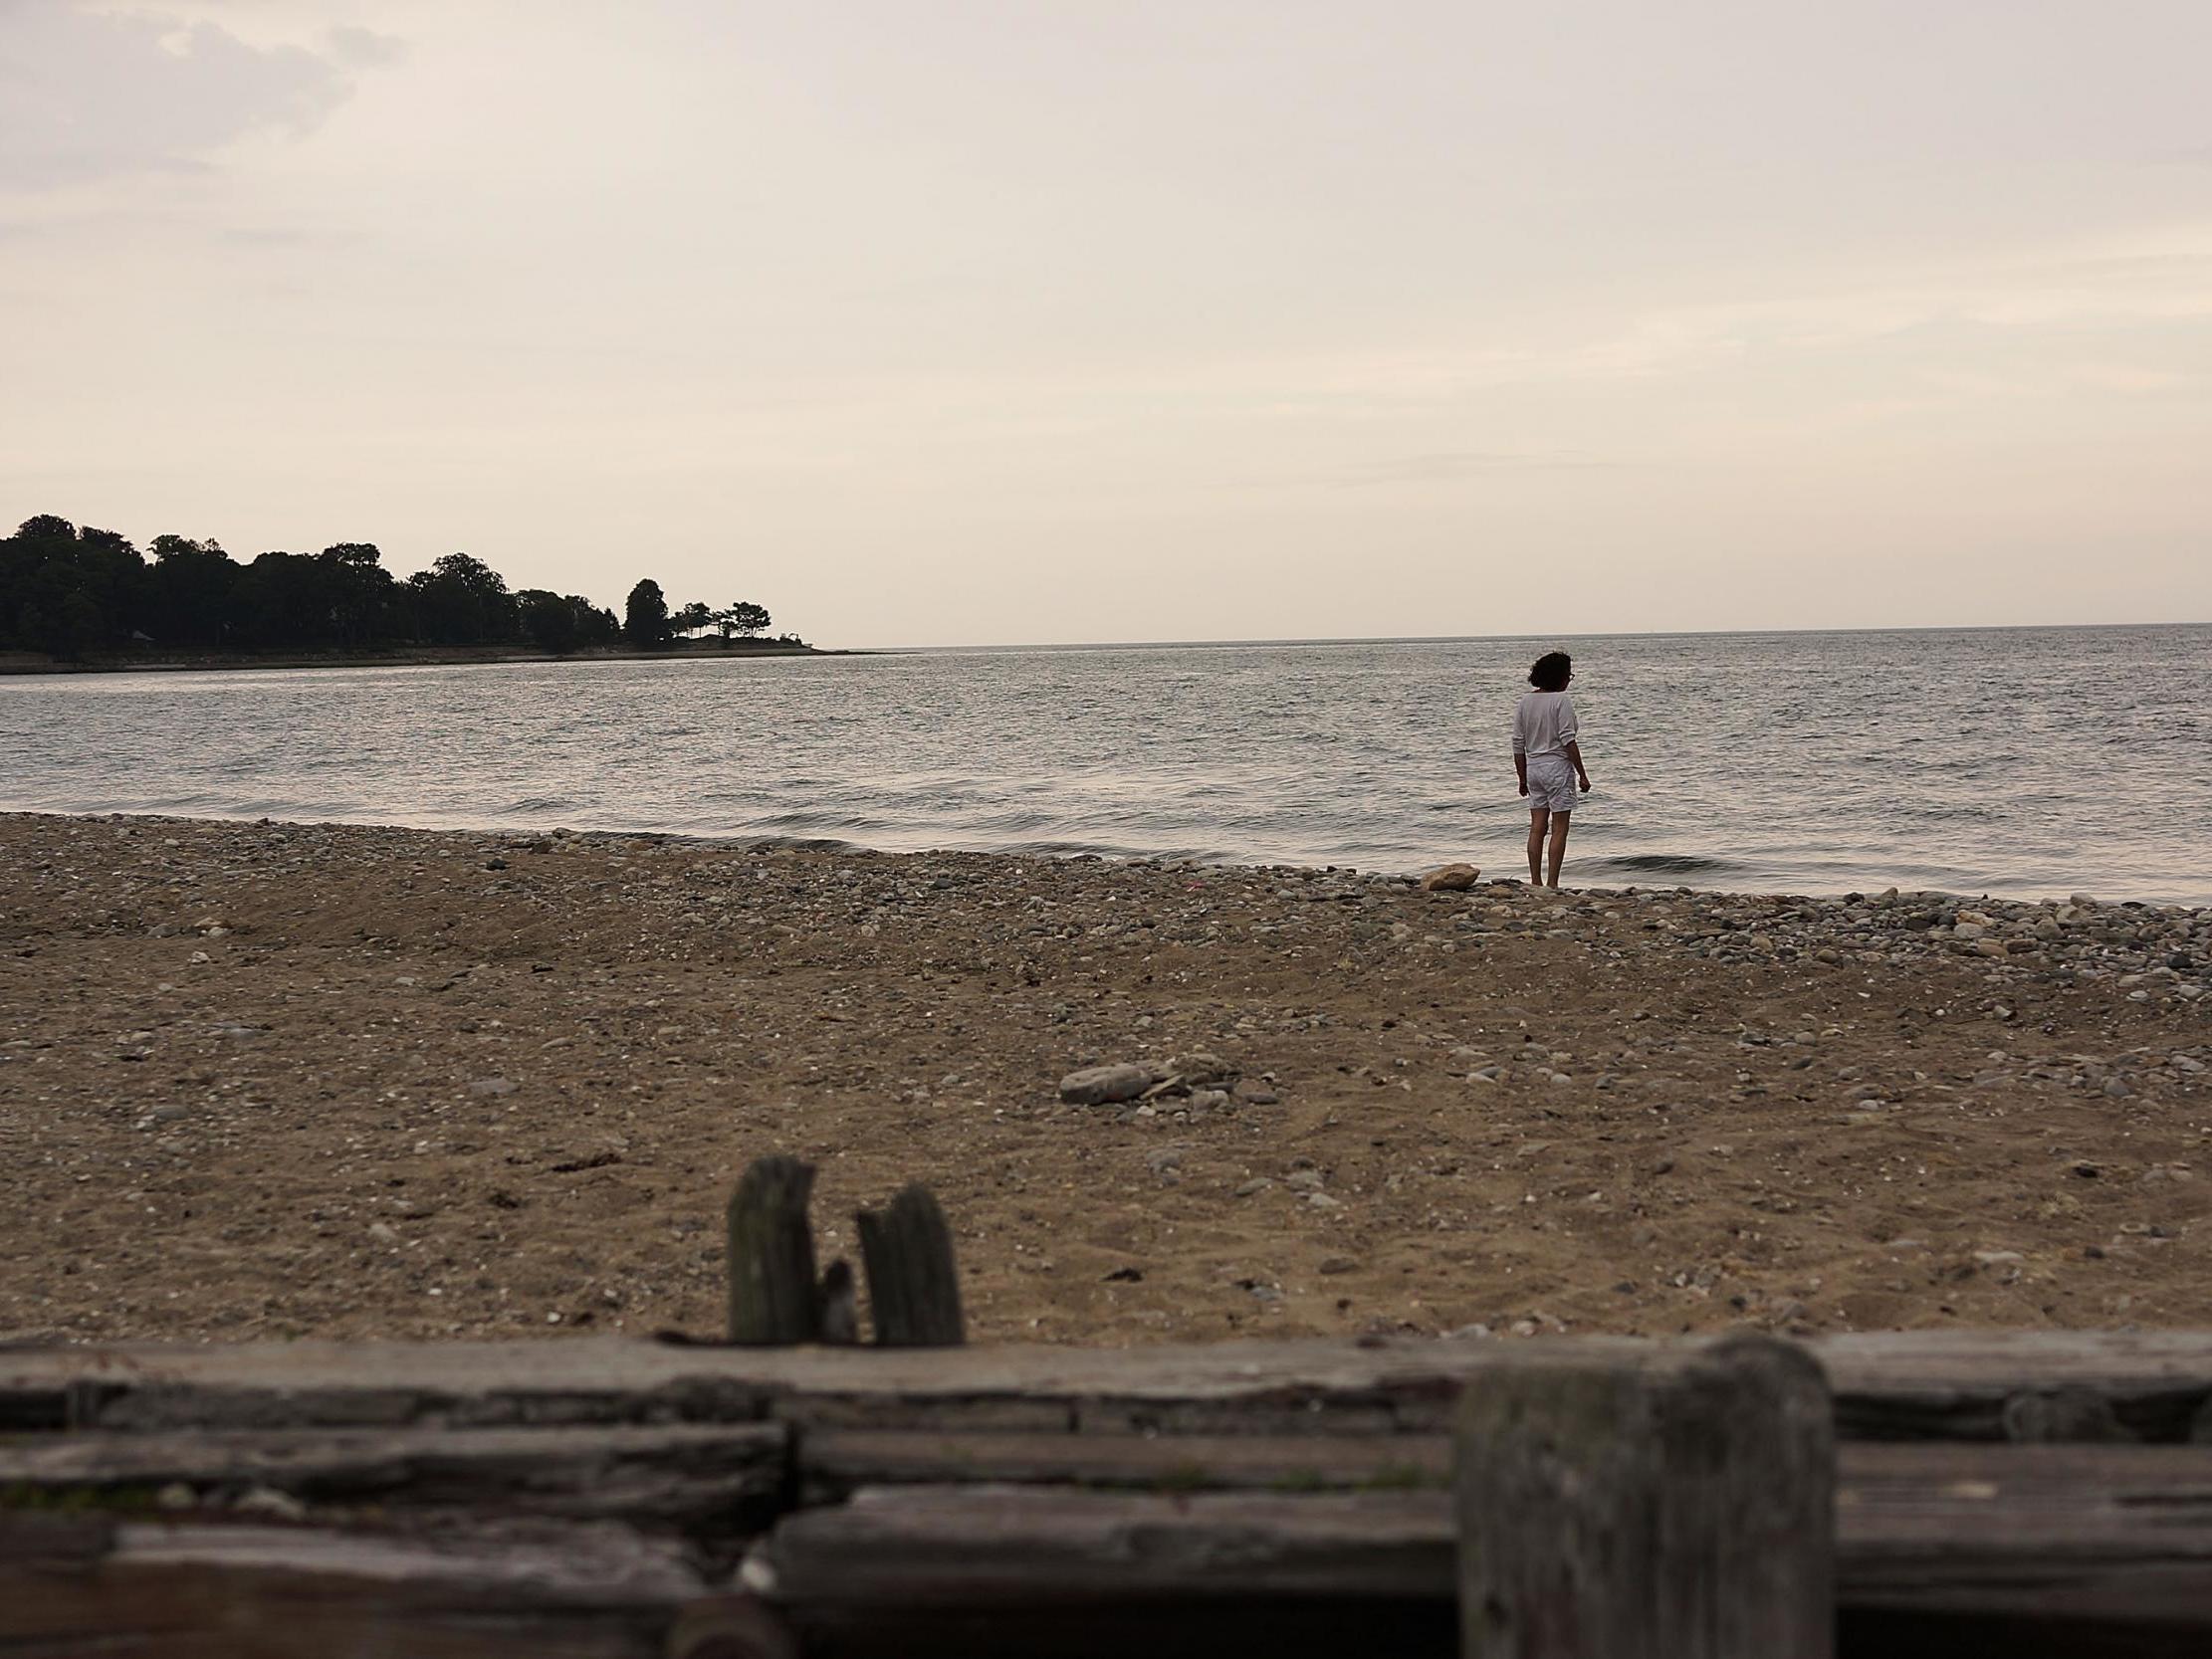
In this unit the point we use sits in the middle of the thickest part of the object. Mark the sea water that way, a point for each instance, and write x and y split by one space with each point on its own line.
2018 762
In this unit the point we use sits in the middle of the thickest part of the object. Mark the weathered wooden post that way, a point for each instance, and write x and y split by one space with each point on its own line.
913 1283
1679 1506
769 1256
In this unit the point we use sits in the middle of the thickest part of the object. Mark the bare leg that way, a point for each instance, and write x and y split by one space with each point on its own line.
1559 825
1536 818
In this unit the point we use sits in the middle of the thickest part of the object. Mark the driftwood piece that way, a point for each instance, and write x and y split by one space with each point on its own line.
913 1280
726 1479
770 1255
1677 1507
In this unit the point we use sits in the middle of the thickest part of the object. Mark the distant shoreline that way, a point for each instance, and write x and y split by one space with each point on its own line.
463 656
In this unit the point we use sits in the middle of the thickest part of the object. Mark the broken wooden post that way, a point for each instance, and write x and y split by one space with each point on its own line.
1674 1506
913 1284
770 1255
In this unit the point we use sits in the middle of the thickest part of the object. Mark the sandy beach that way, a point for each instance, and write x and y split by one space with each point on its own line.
259 1080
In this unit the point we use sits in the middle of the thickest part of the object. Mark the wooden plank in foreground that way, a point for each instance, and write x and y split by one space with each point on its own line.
2117 1534
833 1462
1942 1549
922 1572
706 1478
1908 1385
2100 1549
200 1592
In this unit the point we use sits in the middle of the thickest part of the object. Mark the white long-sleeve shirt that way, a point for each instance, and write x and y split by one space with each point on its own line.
1544 724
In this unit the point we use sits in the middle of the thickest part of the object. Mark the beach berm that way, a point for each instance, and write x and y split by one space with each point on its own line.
281 1079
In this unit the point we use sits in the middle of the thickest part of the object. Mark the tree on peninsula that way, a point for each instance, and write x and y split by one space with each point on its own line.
561 624
742 618
66 590
645 618
461 600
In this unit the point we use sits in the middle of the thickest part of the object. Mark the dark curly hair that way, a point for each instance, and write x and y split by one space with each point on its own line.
1552 672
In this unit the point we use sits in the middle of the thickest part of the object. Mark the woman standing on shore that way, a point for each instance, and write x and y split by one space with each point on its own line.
1548 758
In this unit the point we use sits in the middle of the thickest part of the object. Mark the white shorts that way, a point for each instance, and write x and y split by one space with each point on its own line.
1551 783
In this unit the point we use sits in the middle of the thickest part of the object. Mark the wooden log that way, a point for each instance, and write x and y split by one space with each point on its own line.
770 1255
2017 1385
2112 1535
992 1570
707 1480
962 1544
831 1464
1911 1385
1678 1507
913 1282
227 1592
1940 1549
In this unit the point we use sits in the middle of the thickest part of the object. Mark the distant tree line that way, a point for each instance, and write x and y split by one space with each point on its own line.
70 593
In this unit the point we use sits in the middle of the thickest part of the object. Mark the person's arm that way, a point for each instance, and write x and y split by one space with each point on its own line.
1570 734
1520 766
1574 753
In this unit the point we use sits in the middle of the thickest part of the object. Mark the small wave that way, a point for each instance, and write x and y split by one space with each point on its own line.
777 821
1665 862
800 843
1079 849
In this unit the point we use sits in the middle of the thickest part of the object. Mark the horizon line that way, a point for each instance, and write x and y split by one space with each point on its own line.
1459 639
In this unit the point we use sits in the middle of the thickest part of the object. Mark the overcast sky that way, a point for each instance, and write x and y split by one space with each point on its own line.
972 321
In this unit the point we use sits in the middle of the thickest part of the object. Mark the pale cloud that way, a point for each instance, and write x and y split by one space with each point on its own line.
92 93
360 48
